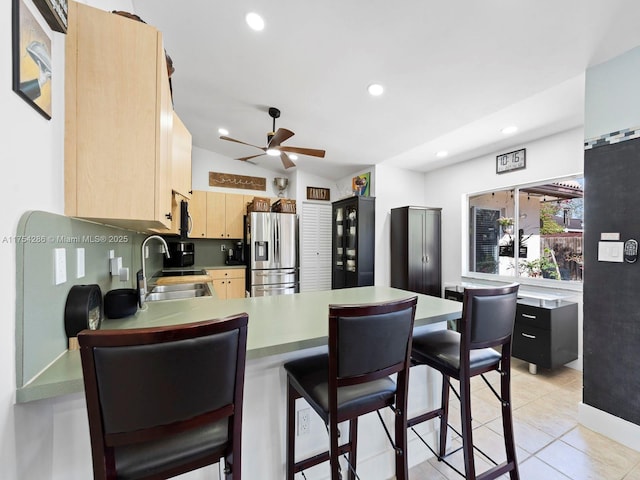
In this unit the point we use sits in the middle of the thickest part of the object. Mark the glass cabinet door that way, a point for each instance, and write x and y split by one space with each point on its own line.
339 253
351 235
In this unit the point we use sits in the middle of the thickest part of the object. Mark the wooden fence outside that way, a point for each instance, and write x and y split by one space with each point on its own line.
567 250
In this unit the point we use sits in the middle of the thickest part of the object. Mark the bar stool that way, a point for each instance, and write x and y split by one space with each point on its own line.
367 344
165 400
488 315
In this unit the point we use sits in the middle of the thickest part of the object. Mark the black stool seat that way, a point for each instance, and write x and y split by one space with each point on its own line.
310 377
367 344
441 350
488 315
156 457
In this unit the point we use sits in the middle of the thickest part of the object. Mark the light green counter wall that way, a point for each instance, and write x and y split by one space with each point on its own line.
40 335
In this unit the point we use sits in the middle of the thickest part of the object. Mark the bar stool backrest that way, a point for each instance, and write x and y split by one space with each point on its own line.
371 341
146 384
488 315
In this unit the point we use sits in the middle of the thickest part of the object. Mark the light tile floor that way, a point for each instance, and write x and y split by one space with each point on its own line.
551 445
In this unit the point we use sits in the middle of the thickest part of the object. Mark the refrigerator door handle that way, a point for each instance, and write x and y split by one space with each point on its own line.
277 230
288 272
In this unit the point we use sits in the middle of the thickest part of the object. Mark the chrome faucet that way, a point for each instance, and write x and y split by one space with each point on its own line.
143 289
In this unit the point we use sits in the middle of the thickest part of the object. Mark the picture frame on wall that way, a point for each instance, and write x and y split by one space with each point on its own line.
32 67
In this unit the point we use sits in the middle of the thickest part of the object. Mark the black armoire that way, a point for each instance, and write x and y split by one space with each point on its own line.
353 242
416 258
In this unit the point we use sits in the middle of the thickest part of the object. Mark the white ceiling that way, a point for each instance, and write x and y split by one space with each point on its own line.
456 72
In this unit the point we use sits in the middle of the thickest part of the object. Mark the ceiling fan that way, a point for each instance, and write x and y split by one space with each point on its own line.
274 144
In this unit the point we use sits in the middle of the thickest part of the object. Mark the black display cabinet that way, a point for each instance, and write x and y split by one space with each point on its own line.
416 250
353 242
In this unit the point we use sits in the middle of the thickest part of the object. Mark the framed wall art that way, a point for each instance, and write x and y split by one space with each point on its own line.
361 184
32 68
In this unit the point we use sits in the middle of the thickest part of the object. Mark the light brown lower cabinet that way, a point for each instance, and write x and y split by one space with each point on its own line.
228 283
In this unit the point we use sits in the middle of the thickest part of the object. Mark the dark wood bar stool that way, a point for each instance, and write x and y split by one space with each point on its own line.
165 400
367 344
488 316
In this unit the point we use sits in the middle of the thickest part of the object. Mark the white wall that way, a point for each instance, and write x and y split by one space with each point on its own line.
612 100
395 187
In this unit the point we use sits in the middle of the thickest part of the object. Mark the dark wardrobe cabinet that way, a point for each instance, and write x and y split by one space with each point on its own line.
416 263
353 242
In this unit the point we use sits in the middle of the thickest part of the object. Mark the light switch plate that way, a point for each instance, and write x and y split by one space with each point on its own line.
610 236
59 265
79 262
610 252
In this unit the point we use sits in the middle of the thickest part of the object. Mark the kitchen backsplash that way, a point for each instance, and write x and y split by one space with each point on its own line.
40 302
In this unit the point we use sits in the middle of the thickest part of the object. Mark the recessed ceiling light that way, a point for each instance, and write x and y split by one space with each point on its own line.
375 89
223 131
273 152
254 21
293 156
510 129
442 154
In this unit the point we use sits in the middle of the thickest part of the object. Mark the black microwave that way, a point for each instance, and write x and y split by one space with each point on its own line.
182 254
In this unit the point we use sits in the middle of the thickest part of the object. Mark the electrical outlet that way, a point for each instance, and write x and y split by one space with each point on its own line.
304 421
223 247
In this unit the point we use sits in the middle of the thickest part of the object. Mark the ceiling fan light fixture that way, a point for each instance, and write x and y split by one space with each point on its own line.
254 21
223 131
273 152
375 89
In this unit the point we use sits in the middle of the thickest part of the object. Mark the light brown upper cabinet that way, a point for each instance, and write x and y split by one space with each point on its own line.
217 215
118 121
225 214
198 213
181 158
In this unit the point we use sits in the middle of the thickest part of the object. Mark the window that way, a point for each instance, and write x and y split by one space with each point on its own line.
529 231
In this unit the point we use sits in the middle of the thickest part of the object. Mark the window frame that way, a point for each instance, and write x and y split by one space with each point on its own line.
466 274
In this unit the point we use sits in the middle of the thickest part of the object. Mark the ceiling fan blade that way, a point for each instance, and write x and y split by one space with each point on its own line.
244 159
243 143
303 151
286 161
280 136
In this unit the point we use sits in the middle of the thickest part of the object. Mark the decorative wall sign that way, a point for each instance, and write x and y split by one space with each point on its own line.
229 180
508 162
360 184
54 12
31 60
317 193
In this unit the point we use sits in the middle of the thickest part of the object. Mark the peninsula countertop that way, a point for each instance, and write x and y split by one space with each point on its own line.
277 324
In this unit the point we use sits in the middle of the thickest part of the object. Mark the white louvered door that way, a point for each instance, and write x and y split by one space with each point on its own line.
315 248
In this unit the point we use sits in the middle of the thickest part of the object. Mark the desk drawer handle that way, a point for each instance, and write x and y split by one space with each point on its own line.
528 335
529 316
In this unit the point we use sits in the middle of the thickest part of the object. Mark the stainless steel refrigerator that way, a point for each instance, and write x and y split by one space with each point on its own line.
271 241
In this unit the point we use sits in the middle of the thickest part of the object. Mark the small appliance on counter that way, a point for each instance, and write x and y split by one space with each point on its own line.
121 302
235 255
182 254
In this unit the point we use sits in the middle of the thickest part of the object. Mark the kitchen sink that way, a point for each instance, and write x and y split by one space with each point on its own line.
178 291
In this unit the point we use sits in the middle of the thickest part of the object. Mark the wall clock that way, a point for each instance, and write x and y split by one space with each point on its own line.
508 162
